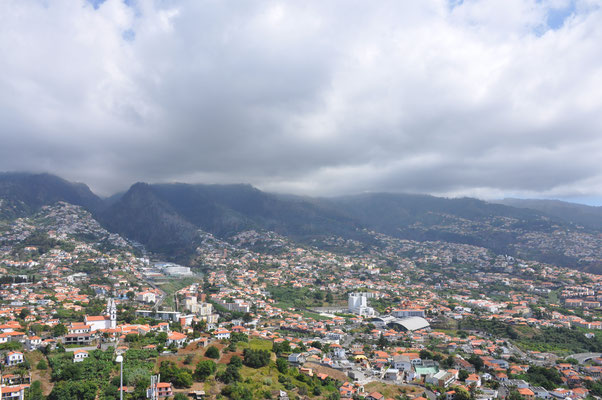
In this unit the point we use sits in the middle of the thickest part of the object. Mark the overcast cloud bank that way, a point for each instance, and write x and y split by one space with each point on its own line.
483 98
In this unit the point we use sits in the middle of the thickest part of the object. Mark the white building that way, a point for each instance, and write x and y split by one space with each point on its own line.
222 333
16 392
191 304
442 378
78 327
177 338
203 310
392 374
107 321
146 297
358 304
178 271
33 342
408 312
402 363
14 358
80 355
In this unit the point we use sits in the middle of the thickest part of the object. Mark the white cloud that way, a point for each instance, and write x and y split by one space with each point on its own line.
472 97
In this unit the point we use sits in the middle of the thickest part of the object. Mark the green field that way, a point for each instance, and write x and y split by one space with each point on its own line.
256 344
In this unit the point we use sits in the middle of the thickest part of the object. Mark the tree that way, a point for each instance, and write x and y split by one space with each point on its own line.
476 362
514 395
334 396
256 358
42 365
426 355
36 328
461 394
462 375
24 313
236 361
73 390
162 337
35 391
204 369
212 352
141 385
132 337
230 375
382 342
282 365
180 377
59 330
449 361
237 392
236 337
11 346
549 378
283 347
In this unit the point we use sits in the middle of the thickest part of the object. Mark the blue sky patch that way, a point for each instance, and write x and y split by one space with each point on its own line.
556 17
129 35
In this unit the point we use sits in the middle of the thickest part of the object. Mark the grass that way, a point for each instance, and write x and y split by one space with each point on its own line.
261 379
256 344
561 341
315 316
34 358
173 286
389 390
287 306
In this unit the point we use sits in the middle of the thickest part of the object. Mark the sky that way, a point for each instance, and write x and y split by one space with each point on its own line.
490 99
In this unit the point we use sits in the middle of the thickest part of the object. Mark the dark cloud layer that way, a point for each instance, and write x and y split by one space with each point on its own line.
485 98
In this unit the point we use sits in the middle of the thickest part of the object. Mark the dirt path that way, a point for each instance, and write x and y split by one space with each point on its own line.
39 375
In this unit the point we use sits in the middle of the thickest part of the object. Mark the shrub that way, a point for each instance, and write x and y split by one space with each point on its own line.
212 352
256 358
204 369
42 365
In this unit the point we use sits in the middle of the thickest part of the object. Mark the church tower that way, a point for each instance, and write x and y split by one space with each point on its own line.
112 313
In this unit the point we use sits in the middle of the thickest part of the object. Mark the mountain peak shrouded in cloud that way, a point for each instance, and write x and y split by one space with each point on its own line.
173 219
483 98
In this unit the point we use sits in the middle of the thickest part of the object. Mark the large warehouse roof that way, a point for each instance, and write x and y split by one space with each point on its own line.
411 323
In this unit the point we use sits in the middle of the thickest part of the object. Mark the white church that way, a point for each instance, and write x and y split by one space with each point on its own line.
107 321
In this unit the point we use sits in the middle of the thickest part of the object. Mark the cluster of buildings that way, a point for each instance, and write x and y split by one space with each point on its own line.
387 313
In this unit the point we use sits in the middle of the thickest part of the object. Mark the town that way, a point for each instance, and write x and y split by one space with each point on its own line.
87 314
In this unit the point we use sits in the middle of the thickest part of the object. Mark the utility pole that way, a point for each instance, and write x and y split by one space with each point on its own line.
119 359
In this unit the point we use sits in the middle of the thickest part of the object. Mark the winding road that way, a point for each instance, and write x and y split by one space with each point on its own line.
584 357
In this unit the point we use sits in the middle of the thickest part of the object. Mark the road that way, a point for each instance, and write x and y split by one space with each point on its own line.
583 357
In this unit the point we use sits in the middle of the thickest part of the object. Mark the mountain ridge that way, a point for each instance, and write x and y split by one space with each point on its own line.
24 193
169 218
590 216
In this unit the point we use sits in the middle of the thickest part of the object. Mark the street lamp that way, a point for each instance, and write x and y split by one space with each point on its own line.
119 359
